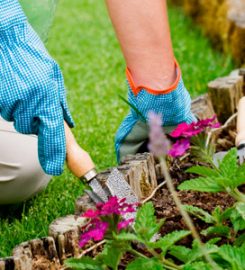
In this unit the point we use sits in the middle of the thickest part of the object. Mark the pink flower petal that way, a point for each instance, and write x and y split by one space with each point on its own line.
181 128
124 224
179 148
84 240
189 130
90 213
110 207
96 232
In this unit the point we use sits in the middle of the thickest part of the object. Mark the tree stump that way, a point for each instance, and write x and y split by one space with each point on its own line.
141 175
66 233
225 94
11 263
37 254
139 172
202 107
82 204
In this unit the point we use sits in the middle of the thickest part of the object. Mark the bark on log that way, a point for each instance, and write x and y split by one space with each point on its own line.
139 172
202 107
66 233
11 263
142 174
225 94
82 204
37 254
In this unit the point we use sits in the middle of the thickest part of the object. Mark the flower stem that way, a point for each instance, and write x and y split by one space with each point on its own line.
184 214
237 195
138 254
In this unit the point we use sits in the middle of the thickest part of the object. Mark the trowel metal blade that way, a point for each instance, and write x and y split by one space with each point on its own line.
218 157
97 194
120 188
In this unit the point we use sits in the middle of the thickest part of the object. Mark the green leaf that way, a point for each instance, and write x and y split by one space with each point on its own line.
228 165
197 252
197 266
240 207
234 256
146 225
84 263
203 171
218 215
115 248
213 241
199 213
169 240
240 240
146 264
126 236
217 230
237 220
182 253
201 184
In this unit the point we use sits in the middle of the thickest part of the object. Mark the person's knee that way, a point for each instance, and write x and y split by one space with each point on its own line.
21 175
19 182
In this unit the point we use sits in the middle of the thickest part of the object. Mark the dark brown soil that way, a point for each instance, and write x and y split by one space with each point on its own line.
164 204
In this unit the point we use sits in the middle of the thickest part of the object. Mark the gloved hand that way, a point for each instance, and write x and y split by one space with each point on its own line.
174 104
32 92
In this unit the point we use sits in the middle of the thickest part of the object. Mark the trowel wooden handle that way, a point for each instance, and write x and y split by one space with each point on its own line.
240 138
78 160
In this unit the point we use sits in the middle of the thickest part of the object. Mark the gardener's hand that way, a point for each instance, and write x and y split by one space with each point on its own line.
32 92
174 104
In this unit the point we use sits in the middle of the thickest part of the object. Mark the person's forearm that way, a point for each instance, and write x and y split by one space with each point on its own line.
143 31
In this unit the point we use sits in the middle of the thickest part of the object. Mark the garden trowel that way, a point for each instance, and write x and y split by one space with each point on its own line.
82 166
240 138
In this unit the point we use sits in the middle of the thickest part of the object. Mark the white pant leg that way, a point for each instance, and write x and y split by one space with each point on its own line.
21 175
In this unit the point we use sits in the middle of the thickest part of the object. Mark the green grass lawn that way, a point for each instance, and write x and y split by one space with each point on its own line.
83 42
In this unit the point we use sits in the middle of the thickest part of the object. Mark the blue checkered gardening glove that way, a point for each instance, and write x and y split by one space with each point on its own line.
174 104
32 92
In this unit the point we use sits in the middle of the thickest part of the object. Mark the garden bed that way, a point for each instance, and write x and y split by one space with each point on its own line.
144 173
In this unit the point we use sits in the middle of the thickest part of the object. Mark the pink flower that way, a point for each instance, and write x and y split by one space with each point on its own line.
159 144
106 217
189 130
95 232
179 148
112 206
185 130
209 122
124 224
91 213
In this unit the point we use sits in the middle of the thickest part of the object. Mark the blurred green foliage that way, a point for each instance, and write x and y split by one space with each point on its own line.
40 14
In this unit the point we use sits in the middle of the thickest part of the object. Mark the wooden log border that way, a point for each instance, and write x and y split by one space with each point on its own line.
141 171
